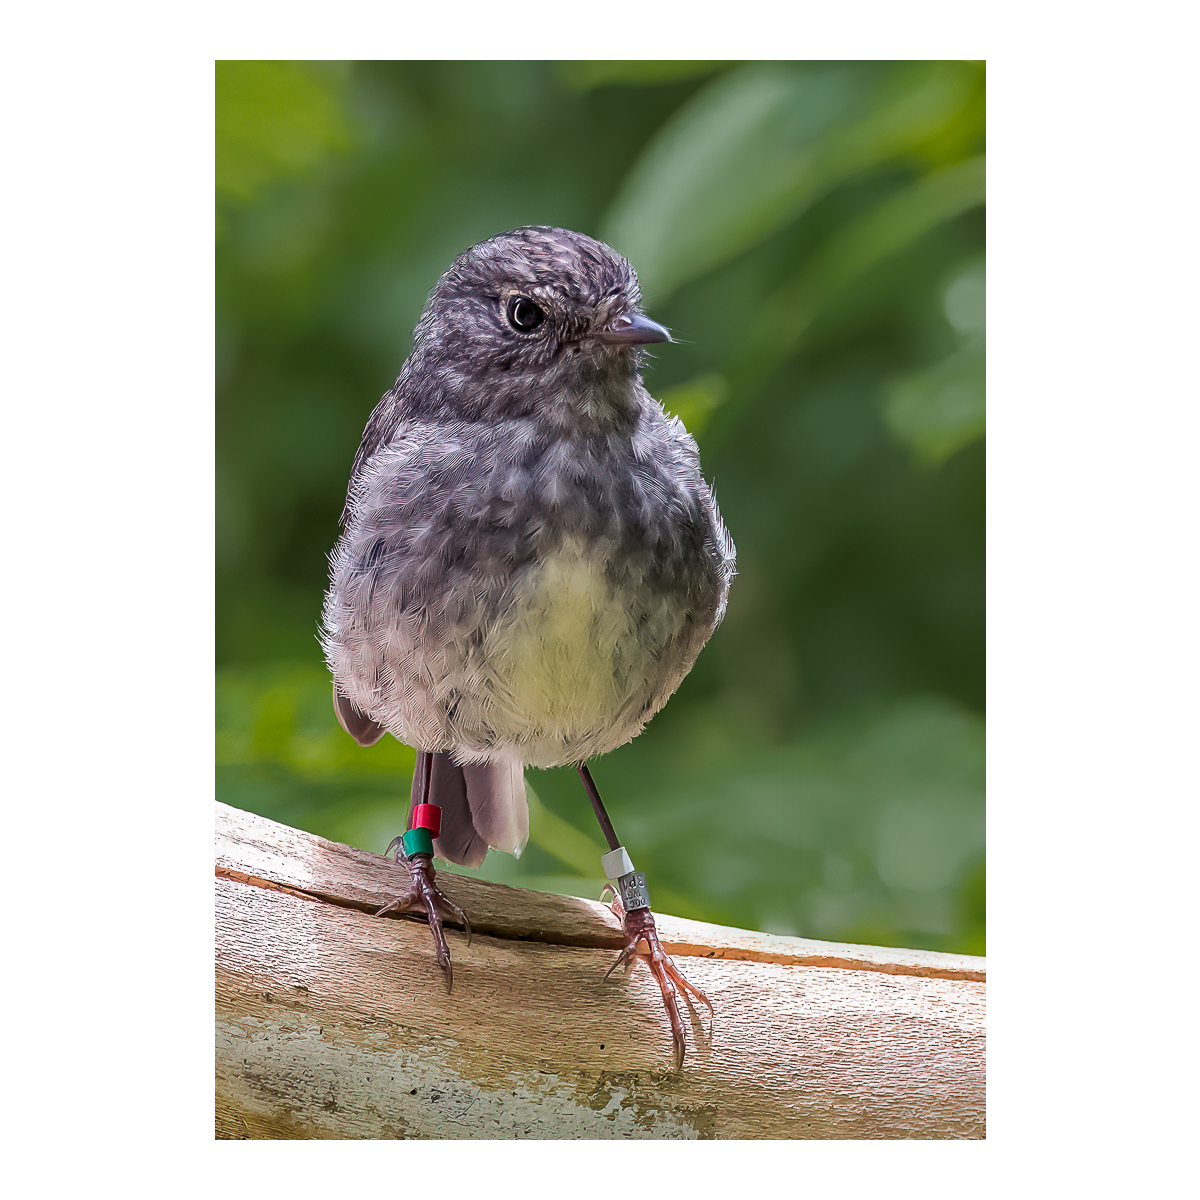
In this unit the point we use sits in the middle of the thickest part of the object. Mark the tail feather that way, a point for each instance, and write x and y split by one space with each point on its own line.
499 809
483 805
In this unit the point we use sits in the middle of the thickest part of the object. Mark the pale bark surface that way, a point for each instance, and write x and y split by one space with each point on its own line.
332 1023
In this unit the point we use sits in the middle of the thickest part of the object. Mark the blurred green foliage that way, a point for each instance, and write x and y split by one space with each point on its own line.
813 234
275 119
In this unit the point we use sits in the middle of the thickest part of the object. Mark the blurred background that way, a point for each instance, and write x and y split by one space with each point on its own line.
813 233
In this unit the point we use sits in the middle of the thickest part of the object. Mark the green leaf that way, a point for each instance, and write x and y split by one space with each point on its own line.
965 300
726 170
551 833
583 75
866 825
861 244
274 120
280 716
895 224
939 411
755 147
694 401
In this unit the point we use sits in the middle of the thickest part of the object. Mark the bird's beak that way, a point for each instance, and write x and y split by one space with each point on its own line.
632 329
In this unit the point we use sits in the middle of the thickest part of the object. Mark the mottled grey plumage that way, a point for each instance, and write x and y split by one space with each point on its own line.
531 559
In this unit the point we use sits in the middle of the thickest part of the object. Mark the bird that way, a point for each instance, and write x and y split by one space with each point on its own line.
530 562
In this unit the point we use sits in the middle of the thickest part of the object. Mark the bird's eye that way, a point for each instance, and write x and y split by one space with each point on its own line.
523 314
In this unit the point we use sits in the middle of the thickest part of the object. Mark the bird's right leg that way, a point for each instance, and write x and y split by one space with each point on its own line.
416 847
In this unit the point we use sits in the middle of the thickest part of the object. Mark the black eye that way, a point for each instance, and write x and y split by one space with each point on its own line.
524 314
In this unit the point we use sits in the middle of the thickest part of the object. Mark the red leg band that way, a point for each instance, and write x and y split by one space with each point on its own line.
428 816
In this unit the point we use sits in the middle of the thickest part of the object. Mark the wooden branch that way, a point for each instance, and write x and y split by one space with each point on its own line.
332 1023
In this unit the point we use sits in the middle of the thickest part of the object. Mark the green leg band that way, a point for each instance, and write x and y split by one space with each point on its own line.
418 841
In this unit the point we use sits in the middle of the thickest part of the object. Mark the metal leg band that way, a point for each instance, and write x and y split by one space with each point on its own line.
634 893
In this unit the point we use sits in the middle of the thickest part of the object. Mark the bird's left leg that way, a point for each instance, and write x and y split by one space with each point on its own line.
631 904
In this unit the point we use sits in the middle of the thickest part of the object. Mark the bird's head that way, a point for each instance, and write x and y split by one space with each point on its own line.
535 318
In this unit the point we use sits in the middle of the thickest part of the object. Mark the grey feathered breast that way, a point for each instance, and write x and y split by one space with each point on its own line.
503 587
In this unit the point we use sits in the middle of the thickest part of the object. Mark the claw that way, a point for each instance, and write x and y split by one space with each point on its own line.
424 892
639 927
623 960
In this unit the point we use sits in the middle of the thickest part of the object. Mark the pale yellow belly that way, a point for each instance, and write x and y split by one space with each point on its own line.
572 666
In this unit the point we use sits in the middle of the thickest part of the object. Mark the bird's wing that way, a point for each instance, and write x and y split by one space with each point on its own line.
359 726
381 427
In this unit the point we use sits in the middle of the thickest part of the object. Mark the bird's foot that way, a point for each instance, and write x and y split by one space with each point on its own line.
424 893
640 927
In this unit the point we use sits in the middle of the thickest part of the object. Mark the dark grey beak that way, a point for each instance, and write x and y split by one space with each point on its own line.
632 329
